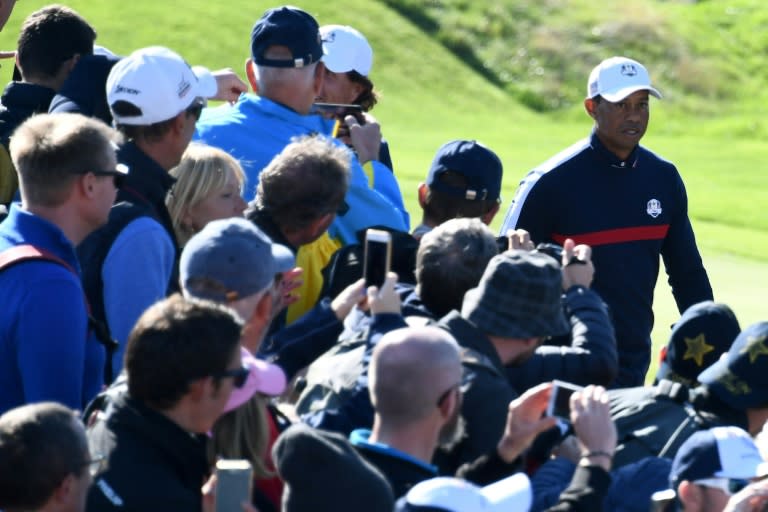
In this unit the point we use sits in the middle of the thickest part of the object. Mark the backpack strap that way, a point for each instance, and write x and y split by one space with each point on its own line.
28 252
679 393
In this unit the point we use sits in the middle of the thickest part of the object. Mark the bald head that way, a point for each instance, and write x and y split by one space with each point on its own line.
410 369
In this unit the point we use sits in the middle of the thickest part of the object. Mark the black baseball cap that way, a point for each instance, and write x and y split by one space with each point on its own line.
290 27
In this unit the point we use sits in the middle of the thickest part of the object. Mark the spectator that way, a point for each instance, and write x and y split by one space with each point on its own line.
704 333
51 41
155 98
464 180
656 421
323 473
300 193
285 71
348 59
208 187
69 176
44 459
447 494
625 202
182 362
712 465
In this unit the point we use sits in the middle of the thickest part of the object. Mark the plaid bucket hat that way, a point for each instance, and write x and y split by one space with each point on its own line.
519 296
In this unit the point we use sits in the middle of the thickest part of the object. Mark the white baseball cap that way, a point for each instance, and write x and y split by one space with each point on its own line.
616 78
159 83
457 495
345 49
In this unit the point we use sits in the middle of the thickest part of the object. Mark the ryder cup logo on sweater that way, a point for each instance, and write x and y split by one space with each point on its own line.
654 208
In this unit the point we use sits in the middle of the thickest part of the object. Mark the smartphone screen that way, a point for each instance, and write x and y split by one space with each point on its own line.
378 250
560 400
233 487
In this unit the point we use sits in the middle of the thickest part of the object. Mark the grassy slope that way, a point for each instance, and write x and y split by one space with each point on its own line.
430 96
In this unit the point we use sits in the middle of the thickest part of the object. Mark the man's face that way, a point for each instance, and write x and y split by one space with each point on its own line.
621 125
338 88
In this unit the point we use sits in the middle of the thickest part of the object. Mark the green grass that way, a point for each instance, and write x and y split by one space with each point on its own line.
512 74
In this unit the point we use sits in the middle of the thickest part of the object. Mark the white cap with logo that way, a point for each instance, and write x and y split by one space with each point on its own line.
616 78
159 83
345 49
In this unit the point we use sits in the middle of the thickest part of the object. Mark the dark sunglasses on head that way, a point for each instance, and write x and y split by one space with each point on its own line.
239 376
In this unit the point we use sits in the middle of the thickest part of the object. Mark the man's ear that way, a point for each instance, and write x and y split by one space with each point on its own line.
689 494
251 74
62 493
449 405
590 105
487 218
422 193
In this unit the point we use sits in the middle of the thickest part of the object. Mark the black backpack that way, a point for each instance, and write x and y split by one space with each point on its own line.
653 421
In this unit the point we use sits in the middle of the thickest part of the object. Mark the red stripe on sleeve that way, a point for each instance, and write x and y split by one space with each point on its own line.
616 236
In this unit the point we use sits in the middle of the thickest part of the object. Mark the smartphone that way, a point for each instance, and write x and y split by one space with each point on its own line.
559 404
663 501
377 256
233 487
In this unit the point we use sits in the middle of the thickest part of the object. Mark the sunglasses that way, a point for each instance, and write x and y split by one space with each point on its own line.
239 376
96 465
466 379
729 486
118 175
196 108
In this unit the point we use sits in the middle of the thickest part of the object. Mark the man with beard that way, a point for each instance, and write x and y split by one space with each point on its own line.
416 378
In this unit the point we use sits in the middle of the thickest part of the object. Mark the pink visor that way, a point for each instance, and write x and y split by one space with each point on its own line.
264 378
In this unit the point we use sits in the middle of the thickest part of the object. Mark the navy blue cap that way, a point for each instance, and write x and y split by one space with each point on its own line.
720 452
290 27
738 378
704 332
479 165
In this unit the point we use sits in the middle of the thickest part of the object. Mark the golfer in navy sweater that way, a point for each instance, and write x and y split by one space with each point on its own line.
624 201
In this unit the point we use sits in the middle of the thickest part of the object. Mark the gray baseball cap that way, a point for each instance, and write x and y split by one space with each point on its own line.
231 259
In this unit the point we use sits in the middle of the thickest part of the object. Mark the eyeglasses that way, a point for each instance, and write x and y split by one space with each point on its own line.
342 209
466 378
96 465
729 486
118 175
196 108
239 376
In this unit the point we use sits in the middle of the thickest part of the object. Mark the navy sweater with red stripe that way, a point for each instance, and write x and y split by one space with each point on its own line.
630 212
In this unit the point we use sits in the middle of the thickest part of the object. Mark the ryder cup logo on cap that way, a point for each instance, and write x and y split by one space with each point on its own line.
720 452
158 83
231 259
616 78
346 50
450 494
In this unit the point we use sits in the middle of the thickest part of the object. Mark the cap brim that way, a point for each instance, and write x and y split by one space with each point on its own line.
620 94
284 258
265 378
715 371
511 493
206 82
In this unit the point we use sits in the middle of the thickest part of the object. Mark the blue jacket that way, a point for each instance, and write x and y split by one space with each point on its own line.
46 349
629 212
130 263
256 129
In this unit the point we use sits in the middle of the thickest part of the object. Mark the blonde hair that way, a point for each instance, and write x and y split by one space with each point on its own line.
202 171
243 433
